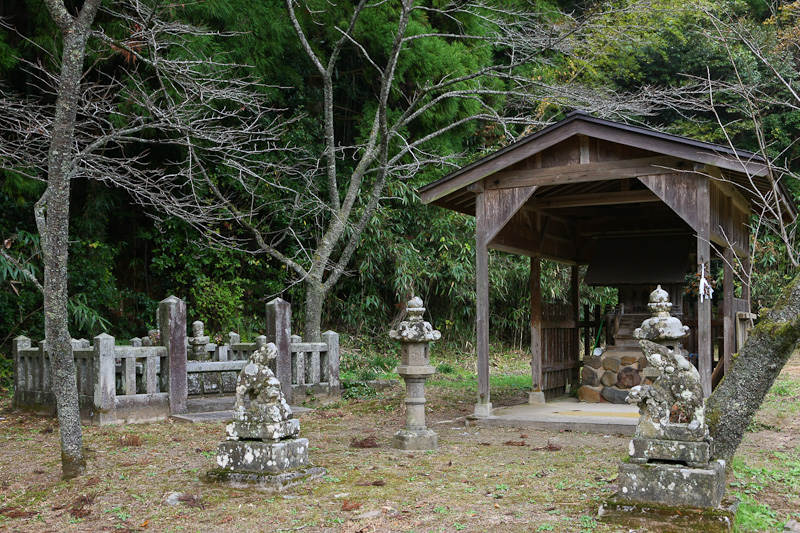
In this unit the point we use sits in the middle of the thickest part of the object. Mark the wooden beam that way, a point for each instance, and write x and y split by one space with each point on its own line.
501 205
575 301
679 192
600 198
503 159
679 148
562 175
536 324
484 406
704 306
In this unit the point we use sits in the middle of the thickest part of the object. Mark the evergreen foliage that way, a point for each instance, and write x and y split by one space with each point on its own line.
123 263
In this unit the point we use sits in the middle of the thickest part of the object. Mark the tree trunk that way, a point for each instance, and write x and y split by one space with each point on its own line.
735 401
315 297
53 222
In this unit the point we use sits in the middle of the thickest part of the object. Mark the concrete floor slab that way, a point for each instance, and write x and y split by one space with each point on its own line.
565 414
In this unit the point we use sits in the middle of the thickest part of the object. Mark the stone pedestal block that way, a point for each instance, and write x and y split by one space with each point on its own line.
694 454
262 481
409 439
672 485
262 457
536 397
249 429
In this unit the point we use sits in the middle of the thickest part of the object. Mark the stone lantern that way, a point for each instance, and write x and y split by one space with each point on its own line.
415 335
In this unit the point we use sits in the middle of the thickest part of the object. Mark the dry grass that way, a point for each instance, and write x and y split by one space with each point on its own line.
480 479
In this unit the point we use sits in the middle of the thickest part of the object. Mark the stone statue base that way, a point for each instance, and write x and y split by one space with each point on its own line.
692 454
409 439
267 457
267 482
673 485
243 427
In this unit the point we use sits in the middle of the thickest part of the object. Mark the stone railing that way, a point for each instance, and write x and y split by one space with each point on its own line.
313 367
140 383
115 383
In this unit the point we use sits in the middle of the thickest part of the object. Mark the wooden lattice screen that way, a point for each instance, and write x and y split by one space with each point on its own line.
560 351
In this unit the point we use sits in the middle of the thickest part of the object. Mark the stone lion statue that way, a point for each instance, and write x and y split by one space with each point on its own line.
258 384
672 407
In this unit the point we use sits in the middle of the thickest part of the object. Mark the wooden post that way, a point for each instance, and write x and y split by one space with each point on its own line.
484 406
704 346
746 282
729 324
537 395
575 301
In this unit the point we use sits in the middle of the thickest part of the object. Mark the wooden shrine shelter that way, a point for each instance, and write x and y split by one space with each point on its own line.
639 207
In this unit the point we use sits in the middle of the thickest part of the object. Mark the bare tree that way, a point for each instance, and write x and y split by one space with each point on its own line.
99 124
764 83
348 177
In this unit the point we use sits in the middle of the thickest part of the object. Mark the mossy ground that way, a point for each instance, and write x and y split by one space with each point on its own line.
480 479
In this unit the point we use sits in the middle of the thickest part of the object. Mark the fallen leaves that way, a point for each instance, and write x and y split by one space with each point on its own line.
130 440
367 442
549 448
376 483
192 500
16 512
514 443
349 505
78 507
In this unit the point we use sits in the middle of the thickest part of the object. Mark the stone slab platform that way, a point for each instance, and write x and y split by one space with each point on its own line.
634 516
265 482
565 414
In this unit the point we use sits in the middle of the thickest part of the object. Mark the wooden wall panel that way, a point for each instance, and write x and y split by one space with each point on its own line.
560 354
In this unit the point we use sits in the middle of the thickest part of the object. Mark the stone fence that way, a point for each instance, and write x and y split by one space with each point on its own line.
115 383
141 383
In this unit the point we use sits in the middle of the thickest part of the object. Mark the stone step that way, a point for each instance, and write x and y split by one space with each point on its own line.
210 403
224 415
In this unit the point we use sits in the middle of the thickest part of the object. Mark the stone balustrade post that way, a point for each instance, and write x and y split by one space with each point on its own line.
20 369
172 330
331 370
415 335
279 332
105 386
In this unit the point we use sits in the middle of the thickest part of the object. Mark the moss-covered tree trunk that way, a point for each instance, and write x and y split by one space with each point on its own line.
735 401
52 218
